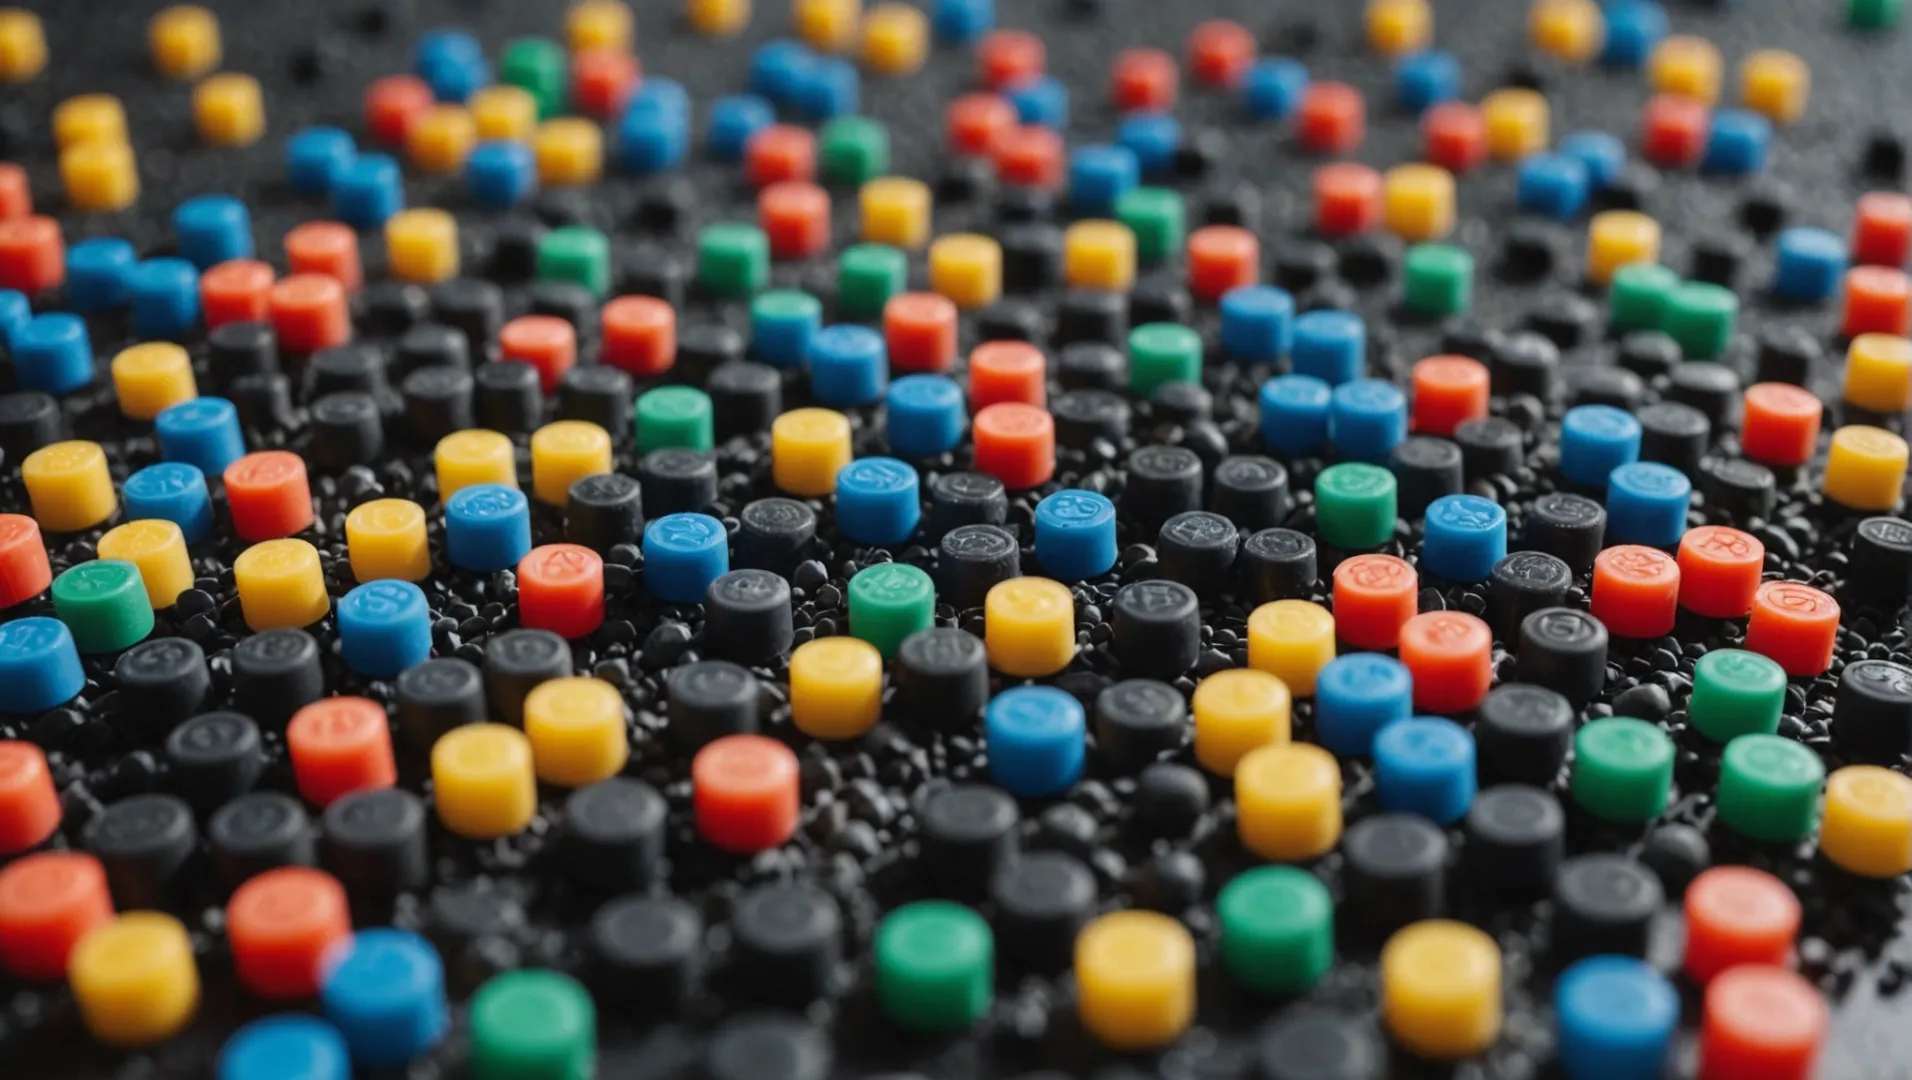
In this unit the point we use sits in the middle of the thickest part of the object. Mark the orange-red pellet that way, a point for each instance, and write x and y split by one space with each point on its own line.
1448 392
1878 300
1719 571
29 807
795 216
339 745
1761 1023
236 291
1780 424
561 589
283 926
1144 80
1006 371
546 342
393 104
1015 443
745 793
1221 258
1882 229
32 254
1220 51
1795 625
1332 118
973 123
1029 156
1636 591
1673 130
309 313
1347 198
269 495
1374 596
1454 136
325 247
602 81
1737 915
920 330
48 902
640 335
25 571
16 196
1451 656
780 152
1007 59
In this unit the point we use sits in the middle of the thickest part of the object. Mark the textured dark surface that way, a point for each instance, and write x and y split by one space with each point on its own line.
858 840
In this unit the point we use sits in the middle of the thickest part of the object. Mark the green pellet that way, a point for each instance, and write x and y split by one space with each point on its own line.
935 966
104 604
733 261
1736 693
1355 505
1438 279
1769 788
672 417
854 150
533 1025
867 276
1277 925
889 602
578 255
1163 352
1157 218
1622 770
1638 295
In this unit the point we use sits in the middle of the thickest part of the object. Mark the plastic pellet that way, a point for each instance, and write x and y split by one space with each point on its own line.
1761 1021
281 585
1029 627
1867 824
1794 624
135 979
745 793
386 992
1617 1018
22 45
1623 769
1135 973
69 486
1441 989
1235 712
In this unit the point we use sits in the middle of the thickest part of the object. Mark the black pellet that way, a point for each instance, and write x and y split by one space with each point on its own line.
745 398
241 348
438 402
347 430
275 674
1042 900
965 498
775 535
436 696
215 757
647 951
1395 871
1603 905
1572 528
677 480
472 307
1710 387
1087 315
1526 363
1880 569
1163 481
374 843
1157 628
510 397
389 308
1740 489
941 677
1490 446
613 838
968 834
1521 584
162 681
1278 564
709 700
1083 416
516 661
1872 715
1169 800
1565 650
973 560
1137 721
1516 837
142 843
599 394
1522 735
342 368
1425 468
786 942
1674 434
747 617
1252 492
1031 257
256 832
1091 365
649 270
1197 549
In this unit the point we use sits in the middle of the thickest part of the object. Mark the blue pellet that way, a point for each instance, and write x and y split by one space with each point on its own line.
290 1046
1603 155
203 432
1552 184
1075 534
960 22
849 365
15 312
1616 1017
777 68
667 96
878 500
924 415
1043 102
1737 142
501 174
1294 414
384 627
96 272
830 88
733 120
1466 536
1425 79
487 528
781 335
386 996
1272 89
1633 28
1368 419
1356 696
53 354
1099 175
1034 737
164 295
1808 264
39 664
316 157
452 63
651 139
1647 504
1425 765
1594 441
1331 346
369 191
1258 323
1153 138
171 491
213 229
683 554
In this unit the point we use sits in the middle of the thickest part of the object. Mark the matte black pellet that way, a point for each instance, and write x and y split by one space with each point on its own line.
1021 205
1565 650
975 559
1739 489
1326 295
710 699
29 420
1200 154
767 1046
516 661
1252 492
1674 434
472 307
389 308
565 300
509 397
1463 336
1370 260
1615 386
1786 353
1300 264
1880 568
1719 258
1522 735
1764 208
649 270
1564 318
374 842
677 480
241 348
436 696
1278 564
647 951
1572 528
1158 299
264 401
665 205
1526 363
1090 315
1197 549
560 208
1648 353
1042 900
347 430
1676 854
1603 905
1516 837
967 834
1531 250
1229 202
1179 402
1031 257
747 617
1169 800
1137 721
162 681
1083 416
786 942
1630 190
774 534
464 919
1091 365
745 398
342 368
965 498
941 678
1710 387
1163 481
142 843
256 832
1312 1043
964 178
602 510
1884 156
599 394
1425 468
1490 446
275 674
613 838
1521 584
1395 871
1011 320
215 757
1872 715
438 402
1157 626
514 247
